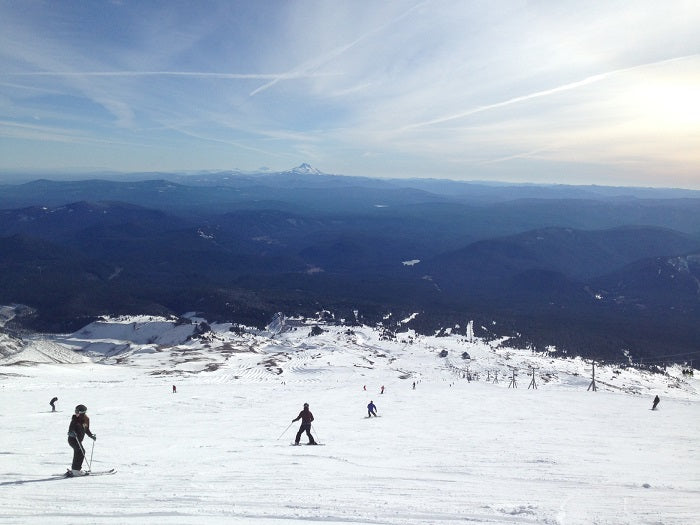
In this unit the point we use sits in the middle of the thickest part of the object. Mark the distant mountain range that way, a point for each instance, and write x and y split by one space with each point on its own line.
597 270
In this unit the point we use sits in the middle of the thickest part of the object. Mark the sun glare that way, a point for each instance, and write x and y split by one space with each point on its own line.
671 106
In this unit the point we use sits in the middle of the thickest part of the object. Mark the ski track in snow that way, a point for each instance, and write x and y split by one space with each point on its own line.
452 450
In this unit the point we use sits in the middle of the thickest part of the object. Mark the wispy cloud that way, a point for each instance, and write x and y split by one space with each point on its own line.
217 139
22 131
543 93
326 58
187 74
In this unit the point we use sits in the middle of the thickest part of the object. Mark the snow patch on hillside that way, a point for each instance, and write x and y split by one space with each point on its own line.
291 347
44 351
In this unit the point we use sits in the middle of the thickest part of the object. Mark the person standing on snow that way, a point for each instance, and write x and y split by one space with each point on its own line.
79 426
53 404
306 418
656 402
371 409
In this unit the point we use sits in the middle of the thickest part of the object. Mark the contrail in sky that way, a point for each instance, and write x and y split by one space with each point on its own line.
539 94
318 62
202 74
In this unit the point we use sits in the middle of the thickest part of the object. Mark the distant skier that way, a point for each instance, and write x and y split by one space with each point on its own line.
174 390
53 404
656 402
414 385
382 390
306 418
364 387
79 426
371 409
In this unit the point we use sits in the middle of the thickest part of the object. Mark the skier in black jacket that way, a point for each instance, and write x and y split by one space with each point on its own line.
371 409
306 418
79 426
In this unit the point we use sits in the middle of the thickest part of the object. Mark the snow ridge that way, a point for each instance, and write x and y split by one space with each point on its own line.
304 350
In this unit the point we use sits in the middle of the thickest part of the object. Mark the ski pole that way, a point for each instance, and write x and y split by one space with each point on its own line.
82 449
318 438
91 452
285 430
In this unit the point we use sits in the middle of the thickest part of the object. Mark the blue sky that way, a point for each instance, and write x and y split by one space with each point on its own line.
603 92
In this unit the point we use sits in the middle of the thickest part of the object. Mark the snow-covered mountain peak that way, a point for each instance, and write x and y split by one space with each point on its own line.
305 169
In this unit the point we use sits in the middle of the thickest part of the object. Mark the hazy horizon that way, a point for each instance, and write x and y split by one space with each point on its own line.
15 177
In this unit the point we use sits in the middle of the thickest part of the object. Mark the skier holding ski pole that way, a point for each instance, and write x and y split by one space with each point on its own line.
79 426
306 418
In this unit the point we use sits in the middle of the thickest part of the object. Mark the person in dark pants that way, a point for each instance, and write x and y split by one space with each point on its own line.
306 418
79 426
656 402
53 404
371 409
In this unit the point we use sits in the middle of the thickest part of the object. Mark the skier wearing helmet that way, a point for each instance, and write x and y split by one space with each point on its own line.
79 426
306 418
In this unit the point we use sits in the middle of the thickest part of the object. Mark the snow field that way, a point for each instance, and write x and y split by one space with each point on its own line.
449 451
445 452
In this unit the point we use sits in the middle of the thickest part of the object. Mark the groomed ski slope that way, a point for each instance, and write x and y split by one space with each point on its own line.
450 451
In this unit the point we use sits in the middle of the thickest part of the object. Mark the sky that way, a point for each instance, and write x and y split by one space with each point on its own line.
571 92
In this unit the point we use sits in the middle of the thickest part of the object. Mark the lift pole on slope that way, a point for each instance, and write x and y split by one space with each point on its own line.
533 383
592 385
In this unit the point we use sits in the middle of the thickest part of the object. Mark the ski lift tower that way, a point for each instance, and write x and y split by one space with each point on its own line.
513 383
533 383
592 386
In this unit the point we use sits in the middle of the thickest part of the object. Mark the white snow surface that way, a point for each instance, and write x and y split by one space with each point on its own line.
452 450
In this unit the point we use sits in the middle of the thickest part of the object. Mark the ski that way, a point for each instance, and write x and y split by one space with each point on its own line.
91 473
102 472
307 444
